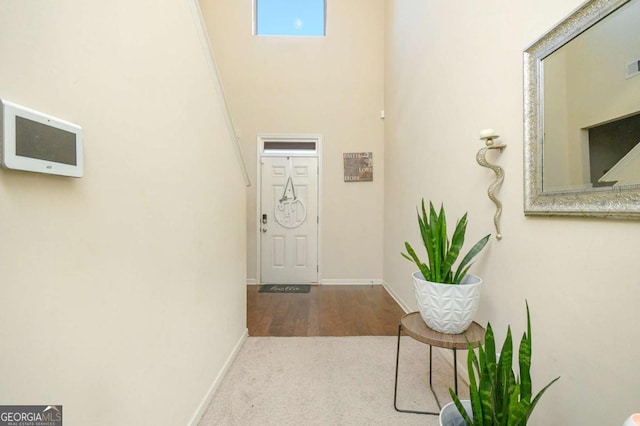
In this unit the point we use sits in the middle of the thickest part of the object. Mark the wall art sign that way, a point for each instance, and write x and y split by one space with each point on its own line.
358 166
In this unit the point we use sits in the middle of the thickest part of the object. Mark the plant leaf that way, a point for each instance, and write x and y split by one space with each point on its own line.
490 353
510 388
498 397
457 240
506 379
435 254
517 414
460 408
443 243
539 395
442 253
470 255
524 359
457 278
424 233
426 273
486 390
472 368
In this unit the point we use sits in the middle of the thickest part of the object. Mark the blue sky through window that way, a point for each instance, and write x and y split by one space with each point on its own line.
290 17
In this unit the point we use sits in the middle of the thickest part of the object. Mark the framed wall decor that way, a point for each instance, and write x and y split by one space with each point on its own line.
358 166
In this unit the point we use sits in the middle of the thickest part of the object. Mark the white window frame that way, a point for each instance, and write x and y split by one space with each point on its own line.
254 23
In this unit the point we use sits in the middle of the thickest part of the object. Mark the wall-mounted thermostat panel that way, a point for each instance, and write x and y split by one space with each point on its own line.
37 142
632 69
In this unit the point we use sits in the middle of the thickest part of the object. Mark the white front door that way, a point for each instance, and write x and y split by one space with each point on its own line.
289 220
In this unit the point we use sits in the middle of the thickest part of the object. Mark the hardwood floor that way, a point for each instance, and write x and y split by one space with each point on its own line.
327 310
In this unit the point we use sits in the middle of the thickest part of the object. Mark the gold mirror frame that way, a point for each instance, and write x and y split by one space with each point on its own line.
617 202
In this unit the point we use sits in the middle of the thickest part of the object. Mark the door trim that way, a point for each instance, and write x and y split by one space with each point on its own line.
282 140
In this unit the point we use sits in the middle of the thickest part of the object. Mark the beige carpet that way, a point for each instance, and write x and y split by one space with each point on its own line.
328 381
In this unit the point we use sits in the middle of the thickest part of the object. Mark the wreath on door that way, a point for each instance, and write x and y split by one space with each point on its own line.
290 212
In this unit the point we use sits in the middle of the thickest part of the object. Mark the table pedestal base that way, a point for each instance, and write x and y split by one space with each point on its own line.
395 389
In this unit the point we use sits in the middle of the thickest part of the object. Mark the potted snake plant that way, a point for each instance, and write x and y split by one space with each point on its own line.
498 397
447 298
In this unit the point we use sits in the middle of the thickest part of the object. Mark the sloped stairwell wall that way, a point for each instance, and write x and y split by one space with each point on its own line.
122 294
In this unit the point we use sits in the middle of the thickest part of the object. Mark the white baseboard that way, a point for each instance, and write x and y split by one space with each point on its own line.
336 281
346 281
397 298
195 419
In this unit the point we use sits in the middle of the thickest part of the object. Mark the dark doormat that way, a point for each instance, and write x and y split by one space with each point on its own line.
285 288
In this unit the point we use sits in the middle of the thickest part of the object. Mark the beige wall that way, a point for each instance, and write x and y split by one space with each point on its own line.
122 293
453 68
329 85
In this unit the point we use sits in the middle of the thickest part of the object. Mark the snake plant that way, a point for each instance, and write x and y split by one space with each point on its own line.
498 397
441 252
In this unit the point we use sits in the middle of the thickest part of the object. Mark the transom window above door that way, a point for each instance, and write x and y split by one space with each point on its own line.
290 17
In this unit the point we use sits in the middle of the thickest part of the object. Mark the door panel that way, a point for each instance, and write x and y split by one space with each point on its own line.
289 239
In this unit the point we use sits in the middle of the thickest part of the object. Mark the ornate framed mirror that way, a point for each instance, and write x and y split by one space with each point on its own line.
582 114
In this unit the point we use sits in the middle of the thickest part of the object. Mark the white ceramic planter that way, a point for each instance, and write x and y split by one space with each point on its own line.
449 415
448 308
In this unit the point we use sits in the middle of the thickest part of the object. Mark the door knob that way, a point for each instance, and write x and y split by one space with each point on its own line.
264 230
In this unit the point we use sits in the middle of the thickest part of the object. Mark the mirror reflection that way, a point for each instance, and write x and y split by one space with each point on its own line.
591 107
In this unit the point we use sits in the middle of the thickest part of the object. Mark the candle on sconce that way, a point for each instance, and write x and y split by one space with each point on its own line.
487 133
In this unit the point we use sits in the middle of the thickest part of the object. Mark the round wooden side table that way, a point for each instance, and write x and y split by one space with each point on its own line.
413 325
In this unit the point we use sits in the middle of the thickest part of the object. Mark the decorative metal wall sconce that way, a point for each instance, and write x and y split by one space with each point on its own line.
488 135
